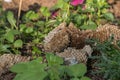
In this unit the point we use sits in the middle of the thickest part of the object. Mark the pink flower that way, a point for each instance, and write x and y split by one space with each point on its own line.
54 14
76 2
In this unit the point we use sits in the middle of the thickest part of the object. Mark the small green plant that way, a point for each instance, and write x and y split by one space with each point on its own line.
9 34
32 29
3 48
87 15
108 61
52 70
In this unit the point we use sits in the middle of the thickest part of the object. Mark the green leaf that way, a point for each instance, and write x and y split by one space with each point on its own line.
62 70
35 66
9 36
45 11
18 43
54 73
4 48
66 0
78 19
29 30
11 19
19 68
53 60
91 25
32 70
77 70
85 78
39 60
31 76
31 15
14 31
22 27
34 16
61 4
109 16
75 79
40 23
36 50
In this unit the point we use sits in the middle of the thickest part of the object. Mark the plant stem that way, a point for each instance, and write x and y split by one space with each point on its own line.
19 11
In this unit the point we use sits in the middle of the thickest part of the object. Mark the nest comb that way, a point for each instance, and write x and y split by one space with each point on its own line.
75 36
103 33
8 60
63 37
81 55
57 40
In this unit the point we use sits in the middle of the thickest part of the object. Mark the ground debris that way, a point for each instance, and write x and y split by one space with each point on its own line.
110 1
27 4
115 7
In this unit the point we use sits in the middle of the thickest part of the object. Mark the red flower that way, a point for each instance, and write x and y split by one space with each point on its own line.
76 2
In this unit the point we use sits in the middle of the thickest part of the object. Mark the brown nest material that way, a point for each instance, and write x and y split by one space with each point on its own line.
8 60
72 55
57 40
104 32
62 37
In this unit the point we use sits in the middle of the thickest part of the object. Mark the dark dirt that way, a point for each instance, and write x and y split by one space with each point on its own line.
7 76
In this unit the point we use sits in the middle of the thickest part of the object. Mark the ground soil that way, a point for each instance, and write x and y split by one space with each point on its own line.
28 4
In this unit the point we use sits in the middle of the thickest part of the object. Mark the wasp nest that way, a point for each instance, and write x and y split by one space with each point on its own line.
78 37
8 60
26 4
103 33
63 37
80 55
75 36
57 40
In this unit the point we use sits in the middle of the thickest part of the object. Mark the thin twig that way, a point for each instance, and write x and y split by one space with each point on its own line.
19 11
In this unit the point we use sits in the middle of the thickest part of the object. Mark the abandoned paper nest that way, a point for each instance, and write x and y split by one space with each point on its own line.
74 56
62 37
104 32
8 60
57 40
